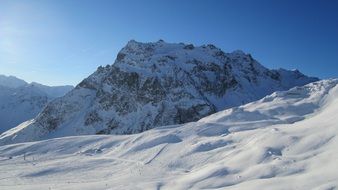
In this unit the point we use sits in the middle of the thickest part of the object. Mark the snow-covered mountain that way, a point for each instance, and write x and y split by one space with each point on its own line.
156 84
11 81
20 101
52 91
287 140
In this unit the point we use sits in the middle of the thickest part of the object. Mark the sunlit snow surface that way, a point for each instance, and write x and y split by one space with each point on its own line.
287 140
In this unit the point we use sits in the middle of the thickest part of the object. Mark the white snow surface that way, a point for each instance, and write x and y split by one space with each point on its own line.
20 101
287 140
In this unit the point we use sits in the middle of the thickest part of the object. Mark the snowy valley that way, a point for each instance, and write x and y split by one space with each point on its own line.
168 95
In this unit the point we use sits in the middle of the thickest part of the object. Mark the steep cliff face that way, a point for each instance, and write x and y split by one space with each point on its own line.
156 84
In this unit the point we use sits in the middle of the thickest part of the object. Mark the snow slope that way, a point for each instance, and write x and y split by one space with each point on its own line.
157 84
287 140
20 101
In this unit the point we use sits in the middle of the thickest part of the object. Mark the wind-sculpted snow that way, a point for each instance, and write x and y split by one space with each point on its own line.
157 84
290 144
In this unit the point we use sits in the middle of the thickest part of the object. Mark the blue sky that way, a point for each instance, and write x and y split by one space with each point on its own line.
63 41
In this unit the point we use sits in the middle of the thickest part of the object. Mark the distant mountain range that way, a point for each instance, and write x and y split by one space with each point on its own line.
21 101
156 84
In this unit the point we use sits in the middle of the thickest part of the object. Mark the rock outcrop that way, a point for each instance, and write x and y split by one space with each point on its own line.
156 84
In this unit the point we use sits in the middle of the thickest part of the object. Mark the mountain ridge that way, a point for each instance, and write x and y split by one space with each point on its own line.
156 84
20 101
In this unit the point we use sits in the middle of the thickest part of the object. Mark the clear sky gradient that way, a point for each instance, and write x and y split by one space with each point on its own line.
63 41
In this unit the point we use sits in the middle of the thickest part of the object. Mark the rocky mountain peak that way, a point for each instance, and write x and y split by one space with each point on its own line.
158 83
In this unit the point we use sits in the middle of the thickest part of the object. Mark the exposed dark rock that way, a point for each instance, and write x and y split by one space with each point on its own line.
156 84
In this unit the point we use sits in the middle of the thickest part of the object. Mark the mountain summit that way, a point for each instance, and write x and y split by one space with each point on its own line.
156 84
